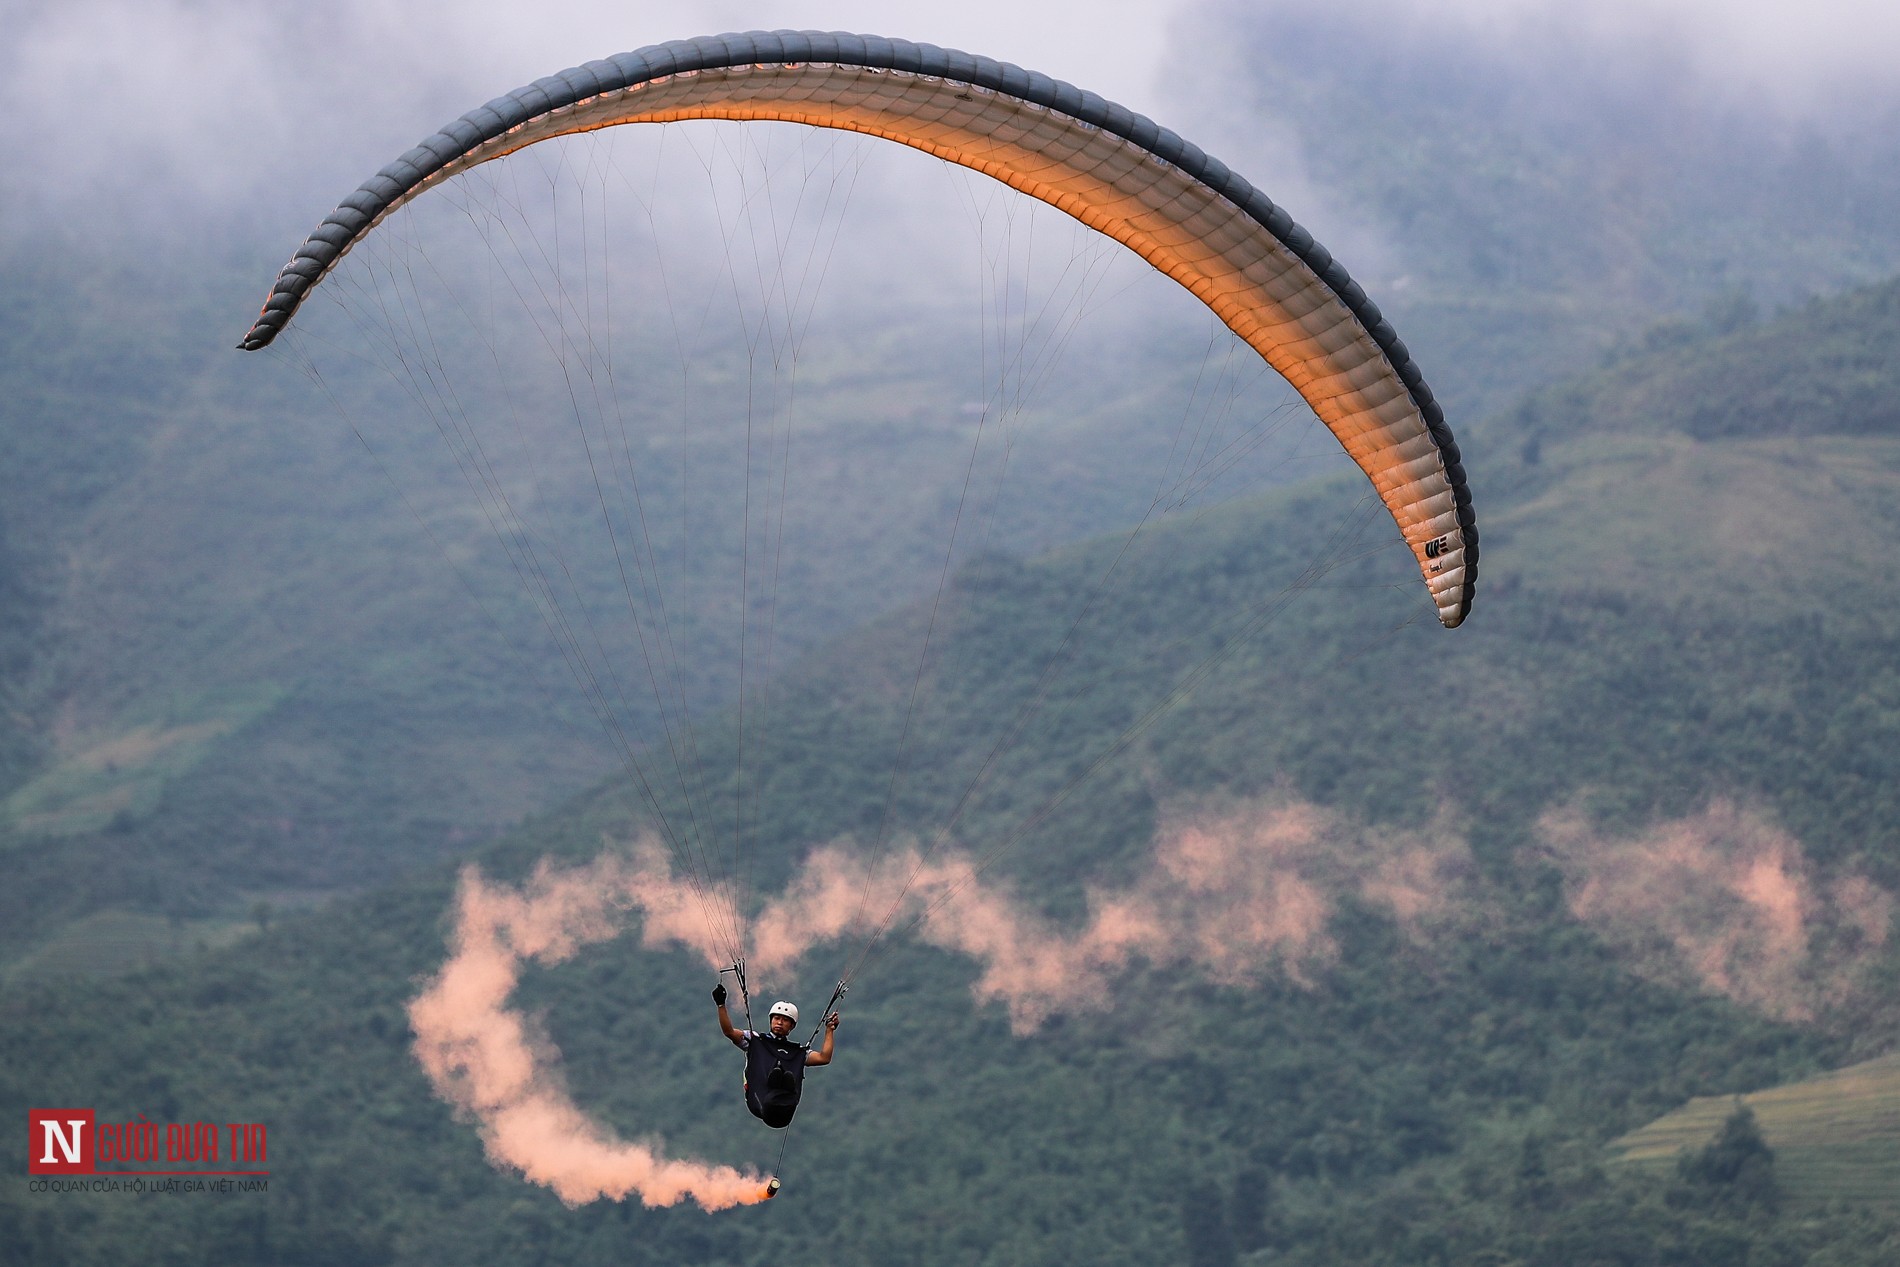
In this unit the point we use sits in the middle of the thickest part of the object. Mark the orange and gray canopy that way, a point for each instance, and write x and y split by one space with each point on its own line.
1115 171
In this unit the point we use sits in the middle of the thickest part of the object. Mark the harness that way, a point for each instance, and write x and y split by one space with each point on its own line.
774 1067
774 1076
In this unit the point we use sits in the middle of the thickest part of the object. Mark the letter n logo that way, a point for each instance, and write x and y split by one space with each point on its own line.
59 1142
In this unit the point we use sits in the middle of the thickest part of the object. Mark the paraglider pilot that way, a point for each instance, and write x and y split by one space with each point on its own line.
775 1062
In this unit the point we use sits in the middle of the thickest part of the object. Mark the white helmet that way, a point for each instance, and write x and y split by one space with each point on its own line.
784 1009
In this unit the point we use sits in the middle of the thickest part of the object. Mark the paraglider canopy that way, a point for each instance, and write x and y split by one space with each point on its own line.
1184 212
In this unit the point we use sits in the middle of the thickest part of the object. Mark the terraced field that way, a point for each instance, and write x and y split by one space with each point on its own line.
1836 1137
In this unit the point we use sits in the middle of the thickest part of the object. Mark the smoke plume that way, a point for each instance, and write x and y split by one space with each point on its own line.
483 1058
1235 895
1727 900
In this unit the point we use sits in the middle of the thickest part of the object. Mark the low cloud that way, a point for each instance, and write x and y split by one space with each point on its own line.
137 109
132 109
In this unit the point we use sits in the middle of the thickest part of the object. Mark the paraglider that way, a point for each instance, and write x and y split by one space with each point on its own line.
1242 257
1183 211
775 1062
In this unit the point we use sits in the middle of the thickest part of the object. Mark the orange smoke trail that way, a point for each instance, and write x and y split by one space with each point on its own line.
1235 895
1726 898
480 1056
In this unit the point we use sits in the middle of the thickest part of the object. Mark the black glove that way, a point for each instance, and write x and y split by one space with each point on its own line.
719 994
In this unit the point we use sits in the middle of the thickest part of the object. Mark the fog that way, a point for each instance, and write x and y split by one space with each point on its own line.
1809 57
125 112
129 107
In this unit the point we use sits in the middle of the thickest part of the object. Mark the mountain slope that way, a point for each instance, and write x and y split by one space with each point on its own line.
1438 1084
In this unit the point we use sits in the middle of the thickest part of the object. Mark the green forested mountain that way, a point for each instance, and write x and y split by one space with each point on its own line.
17 747
1679 672
1624 840
1827 369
